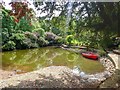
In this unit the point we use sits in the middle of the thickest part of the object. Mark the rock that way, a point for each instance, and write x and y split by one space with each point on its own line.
116 51
49 77
52 77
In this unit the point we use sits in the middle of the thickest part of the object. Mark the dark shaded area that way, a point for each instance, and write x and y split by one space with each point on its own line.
112 82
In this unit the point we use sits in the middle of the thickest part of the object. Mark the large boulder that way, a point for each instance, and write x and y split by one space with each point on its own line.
49 77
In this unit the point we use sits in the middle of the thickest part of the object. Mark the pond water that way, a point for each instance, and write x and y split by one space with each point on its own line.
33 59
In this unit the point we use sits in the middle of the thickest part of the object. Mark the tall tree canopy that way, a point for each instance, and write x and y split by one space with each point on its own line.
99 15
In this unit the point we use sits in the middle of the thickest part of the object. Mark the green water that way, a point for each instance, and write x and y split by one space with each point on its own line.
33 59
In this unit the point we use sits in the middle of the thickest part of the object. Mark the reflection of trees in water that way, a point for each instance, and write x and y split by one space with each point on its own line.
45 56
49 55
71 57
28 60
27 57
20 57
38 58
44 53
49 61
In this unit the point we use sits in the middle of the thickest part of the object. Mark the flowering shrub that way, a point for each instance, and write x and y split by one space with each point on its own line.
20 9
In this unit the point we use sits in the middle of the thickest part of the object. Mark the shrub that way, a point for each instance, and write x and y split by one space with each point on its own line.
31 36
10 45
24 25
17 36
42 42
28 43
41 31
50 36
60 40
69 39
101 52
18 39
55 30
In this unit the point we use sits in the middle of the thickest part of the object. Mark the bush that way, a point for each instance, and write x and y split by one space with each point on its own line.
41 31
42 42
24 25
35 39
69 39
17 36
101 52
10 45
5 35
18 39
55 30
32 36
50 36
28 43
60 40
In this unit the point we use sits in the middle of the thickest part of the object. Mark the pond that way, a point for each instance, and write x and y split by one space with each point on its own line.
33 59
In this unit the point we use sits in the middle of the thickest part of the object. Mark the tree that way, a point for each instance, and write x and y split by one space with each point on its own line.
20 9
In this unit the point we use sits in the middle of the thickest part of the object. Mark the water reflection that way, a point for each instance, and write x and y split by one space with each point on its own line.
32 59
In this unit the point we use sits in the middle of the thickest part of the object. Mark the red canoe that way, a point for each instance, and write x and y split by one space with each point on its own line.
90 55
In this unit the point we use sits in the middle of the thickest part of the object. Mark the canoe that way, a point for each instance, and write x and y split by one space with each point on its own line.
90 55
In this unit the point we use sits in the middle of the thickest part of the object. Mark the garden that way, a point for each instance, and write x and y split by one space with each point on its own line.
60 44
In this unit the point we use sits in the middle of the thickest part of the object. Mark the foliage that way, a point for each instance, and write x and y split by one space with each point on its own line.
56 30
101 52
42 41
69 39
10 45
91 24
41 31
24 25
7 20
60 40
20 9
36 39
20 35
